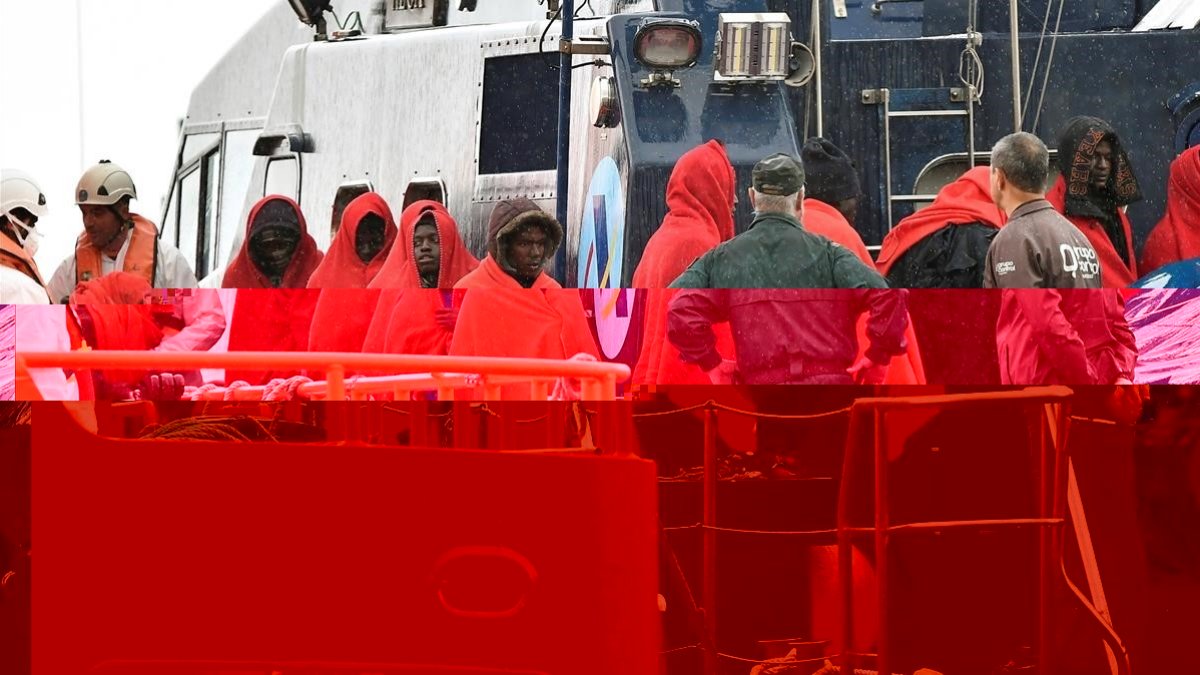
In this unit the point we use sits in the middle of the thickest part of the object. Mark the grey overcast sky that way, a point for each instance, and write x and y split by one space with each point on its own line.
134 67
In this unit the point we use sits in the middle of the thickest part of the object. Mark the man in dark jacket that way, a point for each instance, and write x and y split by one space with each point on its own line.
777 252
786 336
1076 335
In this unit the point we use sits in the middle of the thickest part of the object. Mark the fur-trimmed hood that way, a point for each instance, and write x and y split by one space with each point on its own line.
512 215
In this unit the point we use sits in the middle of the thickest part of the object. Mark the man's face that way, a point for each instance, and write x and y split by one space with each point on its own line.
368 240
427 249
102 224
272 248
527 252
996 180
1102 162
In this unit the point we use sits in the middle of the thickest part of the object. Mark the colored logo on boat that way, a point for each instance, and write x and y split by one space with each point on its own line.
602 239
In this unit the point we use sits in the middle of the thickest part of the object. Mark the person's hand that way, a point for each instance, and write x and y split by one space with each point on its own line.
446 317
723 374
162 387
866 371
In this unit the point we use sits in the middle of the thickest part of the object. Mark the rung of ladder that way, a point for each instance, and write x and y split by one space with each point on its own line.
927 113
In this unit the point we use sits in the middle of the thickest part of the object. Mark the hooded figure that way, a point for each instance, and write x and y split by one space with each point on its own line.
1096 181
945 244
522 238
356 256
700 203
1177 235
278 252
942 250
417 312
831 177
361 246
512 308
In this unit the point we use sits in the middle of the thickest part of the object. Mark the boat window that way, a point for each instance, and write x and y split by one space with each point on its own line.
283 177
194 145
235 184
946 169
425 188
189 215
519 121
346 193
211 180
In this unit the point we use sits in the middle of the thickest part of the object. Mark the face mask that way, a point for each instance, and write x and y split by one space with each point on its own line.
30 239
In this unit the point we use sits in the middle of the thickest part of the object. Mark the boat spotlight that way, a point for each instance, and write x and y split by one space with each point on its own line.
666 45
312 13
758 47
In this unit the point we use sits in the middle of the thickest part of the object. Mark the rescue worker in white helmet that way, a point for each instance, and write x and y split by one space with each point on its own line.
115 239
22 203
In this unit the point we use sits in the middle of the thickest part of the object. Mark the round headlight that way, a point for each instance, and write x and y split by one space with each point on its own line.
604 111
668 44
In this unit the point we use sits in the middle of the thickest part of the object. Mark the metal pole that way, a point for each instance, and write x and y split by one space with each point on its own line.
1016 63
79 72
709 583
816 50
564 129
882 523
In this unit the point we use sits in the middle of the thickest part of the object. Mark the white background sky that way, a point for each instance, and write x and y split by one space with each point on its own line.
138 61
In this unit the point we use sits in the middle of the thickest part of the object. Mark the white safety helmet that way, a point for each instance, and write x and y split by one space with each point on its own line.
105 184
18 190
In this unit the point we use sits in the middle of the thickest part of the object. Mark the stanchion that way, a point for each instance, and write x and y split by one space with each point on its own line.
709 585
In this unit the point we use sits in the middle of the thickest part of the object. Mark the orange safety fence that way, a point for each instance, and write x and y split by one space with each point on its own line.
414 373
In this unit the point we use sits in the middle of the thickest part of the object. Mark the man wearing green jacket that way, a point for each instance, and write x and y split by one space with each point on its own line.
777 252
793 299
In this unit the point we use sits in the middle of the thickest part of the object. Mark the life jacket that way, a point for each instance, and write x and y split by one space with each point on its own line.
141 258
14 256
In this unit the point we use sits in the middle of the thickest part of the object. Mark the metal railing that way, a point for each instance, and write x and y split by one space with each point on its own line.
445 375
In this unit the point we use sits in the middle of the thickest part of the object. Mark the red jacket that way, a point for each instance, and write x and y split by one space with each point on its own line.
1114 272
1177 235
1068 336
700 202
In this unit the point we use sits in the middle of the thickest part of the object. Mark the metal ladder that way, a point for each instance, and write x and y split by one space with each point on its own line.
919 103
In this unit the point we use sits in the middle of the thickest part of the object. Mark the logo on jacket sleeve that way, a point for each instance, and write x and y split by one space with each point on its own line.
1005 267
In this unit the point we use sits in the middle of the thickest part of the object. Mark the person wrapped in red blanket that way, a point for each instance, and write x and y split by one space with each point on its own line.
357 254
943 248
1177 235
1095 185
417 311
512 308
701 196
274 309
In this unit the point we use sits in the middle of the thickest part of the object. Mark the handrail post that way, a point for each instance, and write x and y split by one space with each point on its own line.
709 584
335 379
